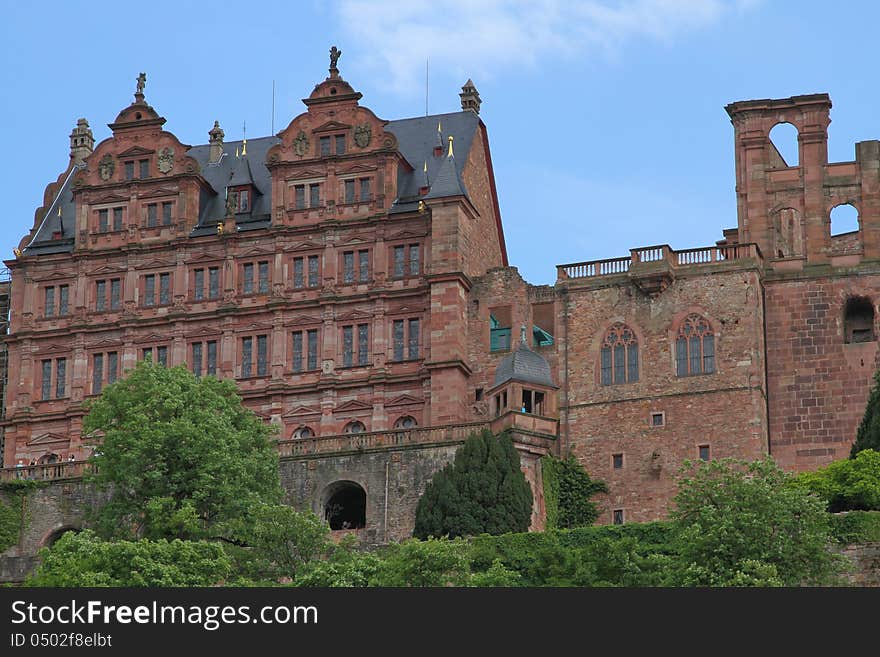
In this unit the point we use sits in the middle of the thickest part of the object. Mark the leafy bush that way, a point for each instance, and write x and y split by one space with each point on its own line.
848 484
856 527
868 433
83 559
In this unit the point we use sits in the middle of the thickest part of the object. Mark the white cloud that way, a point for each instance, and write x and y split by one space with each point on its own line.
481 37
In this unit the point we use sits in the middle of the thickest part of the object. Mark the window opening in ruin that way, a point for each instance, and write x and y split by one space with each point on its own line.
784 145
346 508
499 329
617 461
858 321
844 219
704 452
543 327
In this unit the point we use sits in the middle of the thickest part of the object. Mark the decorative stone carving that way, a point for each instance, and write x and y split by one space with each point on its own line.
166 160
301 143
106 167
363 135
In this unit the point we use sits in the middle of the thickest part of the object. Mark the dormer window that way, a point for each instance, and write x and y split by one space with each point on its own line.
244 198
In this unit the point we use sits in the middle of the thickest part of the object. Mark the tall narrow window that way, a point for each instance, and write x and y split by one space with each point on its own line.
619 356
162 356
299 193
262 355
399 255
60 377
314 195
199 284
100 296
313 349
63 297
297 351
144 168
164 289
212 358
364 190
115 293
129 170
618 516
363 344
244 201
166 213
397 335
102 221
363 266
348 267
46 387
414 260
197 359
349 191
704 452
695 347
413 343
152 211
248 278
858 320
313 271
97 373
325 146
340 144
117 218
49 304
213 282
247 353
263 282
112 366
150 290
347 345
147 354
298 272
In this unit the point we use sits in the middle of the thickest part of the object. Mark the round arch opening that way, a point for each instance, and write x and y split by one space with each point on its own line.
344 505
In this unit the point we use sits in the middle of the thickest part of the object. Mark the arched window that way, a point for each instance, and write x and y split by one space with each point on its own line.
695 347
355 426
406 422
46 459
303 432
620 355
858 320
844 219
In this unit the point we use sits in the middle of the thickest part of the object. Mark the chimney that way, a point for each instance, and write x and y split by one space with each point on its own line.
215 136
82 143
470 97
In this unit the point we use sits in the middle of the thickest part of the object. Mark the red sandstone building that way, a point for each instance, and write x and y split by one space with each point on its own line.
350 275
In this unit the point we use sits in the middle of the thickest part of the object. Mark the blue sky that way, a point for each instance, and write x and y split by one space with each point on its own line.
606 118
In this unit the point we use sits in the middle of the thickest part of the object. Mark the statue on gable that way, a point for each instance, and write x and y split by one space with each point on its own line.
301 143
106 167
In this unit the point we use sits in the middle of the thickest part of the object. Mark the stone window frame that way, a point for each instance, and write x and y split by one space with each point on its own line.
359 276
304 329
618 516
694 323
306 258
303 432
157 301
407 346
107 305
652 419
48 390
351 425
254 337
358 357
708 448
256 264
59 309
615 457
619 334
206 268
409 247
305 184
154 349
204 360
104 218
106 370
357 189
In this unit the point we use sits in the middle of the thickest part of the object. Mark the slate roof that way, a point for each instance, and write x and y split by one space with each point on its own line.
416 137
525 366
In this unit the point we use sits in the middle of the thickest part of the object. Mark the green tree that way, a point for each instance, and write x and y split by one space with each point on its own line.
482 491
868 434
742 523
847 485
180 457
83 559
567 492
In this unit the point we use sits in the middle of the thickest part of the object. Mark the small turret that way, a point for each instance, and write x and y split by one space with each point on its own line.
470 97
82 143
215 139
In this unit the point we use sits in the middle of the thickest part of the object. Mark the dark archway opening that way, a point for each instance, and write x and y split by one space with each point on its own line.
858 320
346 507
52 538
